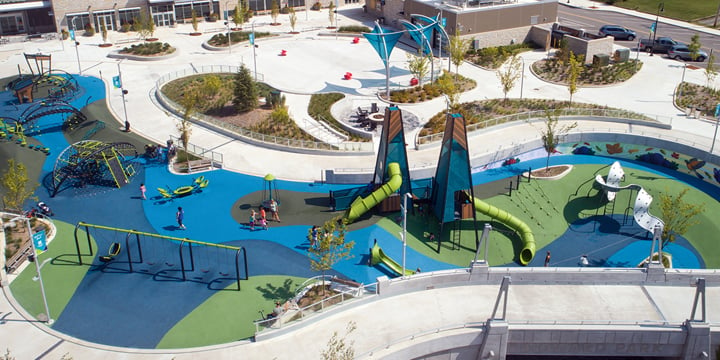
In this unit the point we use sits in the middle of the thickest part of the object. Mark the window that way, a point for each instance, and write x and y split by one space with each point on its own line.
78 21
127 16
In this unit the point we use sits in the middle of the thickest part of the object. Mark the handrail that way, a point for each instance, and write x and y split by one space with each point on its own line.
279 322
536 115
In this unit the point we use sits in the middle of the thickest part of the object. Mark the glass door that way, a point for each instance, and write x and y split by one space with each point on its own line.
163 19
107 18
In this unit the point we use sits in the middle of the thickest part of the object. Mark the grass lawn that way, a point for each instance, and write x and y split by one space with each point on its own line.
676 9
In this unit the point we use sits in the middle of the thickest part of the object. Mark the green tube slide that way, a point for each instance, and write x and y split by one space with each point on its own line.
528 251
378 256
361 205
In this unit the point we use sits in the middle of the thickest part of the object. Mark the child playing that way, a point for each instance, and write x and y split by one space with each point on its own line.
251 221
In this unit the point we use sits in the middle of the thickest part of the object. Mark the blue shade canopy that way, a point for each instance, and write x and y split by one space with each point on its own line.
421 35
383 42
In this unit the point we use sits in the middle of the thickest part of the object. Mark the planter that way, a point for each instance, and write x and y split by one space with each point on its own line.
331 27
151 39
294 32
554 172
104 45
195 33
275 24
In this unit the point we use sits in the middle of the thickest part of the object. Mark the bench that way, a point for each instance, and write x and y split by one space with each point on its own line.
198 165
354 288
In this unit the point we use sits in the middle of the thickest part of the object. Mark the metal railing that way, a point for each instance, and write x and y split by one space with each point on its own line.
240 132
297 314
536 115
216 157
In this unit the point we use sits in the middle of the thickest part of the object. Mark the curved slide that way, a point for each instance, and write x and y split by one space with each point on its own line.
361 205
378 256
528 251
642 202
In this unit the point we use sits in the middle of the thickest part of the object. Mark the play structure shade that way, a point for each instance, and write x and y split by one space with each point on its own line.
453 171
392 149
642 202
362 205
383 42
421 35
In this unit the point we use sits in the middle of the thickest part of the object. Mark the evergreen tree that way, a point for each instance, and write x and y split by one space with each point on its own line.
246 92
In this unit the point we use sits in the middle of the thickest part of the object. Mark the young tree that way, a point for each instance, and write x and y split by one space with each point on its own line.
711 70
553 133
238 18
17 186
330 246
331 13
457 48
189 103
194 20
337 347
509 74
677 214
145 26
246 93
694 46
103 30
292 17
418 65
274 11
575 64
447 85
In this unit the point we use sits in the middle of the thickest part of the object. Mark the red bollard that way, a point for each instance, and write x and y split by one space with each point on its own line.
356 40
283 52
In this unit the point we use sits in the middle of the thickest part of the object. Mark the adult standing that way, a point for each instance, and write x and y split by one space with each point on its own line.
180 216
547 259
274 210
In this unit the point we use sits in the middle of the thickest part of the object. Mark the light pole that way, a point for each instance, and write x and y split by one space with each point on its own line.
717 122
227 23
38 266
404 231
661 8
122 91
77 53
252 43
522 77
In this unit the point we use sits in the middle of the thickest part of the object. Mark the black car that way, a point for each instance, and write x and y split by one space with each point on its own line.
618 32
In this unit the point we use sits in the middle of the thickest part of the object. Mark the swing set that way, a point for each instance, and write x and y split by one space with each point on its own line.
162 256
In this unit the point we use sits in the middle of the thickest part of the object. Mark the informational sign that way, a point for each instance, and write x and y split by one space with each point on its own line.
443 21
72 35
252 38
717 110
39 240
117 83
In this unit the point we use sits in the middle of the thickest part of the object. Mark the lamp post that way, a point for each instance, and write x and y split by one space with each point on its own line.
123 92
38 266
252 43
717 122
404 231
661 8
522 77
227 24
77 53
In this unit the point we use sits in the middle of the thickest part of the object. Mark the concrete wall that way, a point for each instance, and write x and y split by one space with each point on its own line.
590 47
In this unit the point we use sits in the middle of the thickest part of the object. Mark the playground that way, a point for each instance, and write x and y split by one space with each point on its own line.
125 274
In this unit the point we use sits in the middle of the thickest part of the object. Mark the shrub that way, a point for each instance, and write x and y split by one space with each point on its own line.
354 29
316 6
125 27
89 30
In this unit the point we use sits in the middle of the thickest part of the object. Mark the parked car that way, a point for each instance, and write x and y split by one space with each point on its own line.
682 52
618 32
661 45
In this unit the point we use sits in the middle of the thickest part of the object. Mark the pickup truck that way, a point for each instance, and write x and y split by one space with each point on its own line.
662 44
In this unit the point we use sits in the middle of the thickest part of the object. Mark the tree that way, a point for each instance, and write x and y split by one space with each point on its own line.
457 47
246 92
509 75
447 85
575 65
677 214
18 188
331 13
292 17
330 246
145 26
694 46
194 20
274 11
418 65
337 347
189 103
238 18
103 30
553 133
711 70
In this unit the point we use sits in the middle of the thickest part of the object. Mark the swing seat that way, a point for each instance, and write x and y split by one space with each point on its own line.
113 251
